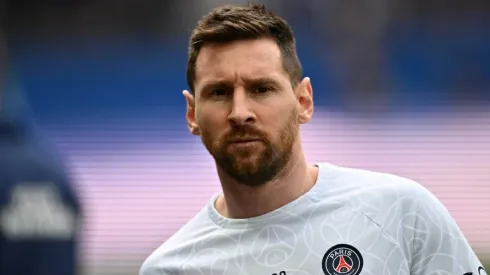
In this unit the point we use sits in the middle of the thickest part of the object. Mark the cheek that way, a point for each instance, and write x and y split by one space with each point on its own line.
206 118
279 116
210 125
275 125
287 124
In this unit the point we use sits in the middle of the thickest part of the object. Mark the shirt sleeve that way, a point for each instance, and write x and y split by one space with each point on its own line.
439 246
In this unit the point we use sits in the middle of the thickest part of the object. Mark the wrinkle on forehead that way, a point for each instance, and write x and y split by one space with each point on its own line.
239 60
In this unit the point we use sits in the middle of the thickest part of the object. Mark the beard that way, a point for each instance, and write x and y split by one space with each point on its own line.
256 163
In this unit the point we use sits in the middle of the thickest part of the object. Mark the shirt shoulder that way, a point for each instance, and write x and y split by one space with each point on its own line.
372 192
387 200
383 197
408 212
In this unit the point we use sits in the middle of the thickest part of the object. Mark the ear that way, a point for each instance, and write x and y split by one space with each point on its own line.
190 114
305 100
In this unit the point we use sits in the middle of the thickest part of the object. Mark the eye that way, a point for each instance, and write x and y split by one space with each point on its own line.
218 92
262 89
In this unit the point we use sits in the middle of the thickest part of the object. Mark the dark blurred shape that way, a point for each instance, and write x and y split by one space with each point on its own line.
54 19
379 55
39 207
385 52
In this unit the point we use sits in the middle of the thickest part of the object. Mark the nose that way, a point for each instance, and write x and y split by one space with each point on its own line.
241 111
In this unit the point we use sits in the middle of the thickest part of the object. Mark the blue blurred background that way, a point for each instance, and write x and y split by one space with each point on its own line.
400 86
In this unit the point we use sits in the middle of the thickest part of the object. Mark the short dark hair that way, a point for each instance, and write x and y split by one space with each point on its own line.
252 21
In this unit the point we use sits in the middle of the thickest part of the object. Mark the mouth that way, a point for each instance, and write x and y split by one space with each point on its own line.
245 141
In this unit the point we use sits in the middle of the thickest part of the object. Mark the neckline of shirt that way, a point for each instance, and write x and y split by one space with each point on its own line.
307 198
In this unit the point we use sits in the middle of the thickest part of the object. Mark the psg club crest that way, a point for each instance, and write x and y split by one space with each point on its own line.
342 259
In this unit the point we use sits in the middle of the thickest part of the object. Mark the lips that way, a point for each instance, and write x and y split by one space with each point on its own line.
246 140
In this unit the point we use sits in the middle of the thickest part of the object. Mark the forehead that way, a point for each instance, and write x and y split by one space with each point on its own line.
238 60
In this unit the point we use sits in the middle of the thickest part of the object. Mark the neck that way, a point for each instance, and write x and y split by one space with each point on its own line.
240 201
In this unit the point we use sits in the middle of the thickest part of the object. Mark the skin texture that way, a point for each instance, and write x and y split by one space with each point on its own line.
248 117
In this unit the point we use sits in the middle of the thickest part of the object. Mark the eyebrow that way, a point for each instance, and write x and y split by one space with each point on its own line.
264 81
248 81
216 83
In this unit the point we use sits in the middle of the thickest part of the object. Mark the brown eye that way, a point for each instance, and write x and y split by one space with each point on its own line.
262 90
218 92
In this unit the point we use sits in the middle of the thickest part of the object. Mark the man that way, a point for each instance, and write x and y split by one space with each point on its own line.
39 209
277 214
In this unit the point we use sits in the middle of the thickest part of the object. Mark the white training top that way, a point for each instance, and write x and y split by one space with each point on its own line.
351 222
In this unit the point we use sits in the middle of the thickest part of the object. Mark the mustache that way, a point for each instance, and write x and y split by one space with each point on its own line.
243 132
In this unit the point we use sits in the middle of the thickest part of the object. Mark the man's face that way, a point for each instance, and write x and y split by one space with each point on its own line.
245 109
